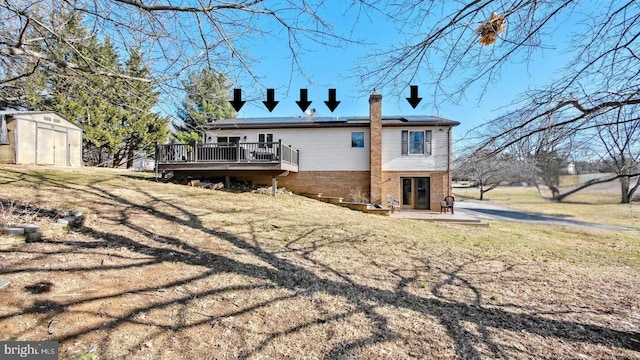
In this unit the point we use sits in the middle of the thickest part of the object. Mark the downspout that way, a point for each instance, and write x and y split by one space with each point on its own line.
450 183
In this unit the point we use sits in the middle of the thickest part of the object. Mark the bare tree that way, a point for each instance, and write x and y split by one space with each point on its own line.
620 138
486 169
473 40
544 155
173 35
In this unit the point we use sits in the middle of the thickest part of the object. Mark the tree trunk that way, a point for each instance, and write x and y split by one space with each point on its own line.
555 192
624 189
591 182
130 156
627 194
118 157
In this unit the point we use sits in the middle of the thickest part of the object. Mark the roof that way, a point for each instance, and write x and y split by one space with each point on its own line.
324 122
18 113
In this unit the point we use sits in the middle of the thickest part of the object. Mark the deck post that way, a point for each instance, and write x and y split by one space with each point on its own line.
157 160
274 186
227 182
195 151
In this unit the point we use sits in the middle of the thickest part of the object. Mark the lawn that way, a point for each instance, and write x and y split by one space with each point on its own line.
165 271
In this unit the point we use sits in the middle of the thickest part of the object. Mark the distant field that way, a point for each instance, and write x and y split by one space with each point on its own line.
598 204
165 271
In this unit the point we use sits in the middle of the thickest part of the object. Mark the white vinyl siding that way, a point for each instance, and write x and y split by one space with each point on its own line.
329 149
325 149
394 146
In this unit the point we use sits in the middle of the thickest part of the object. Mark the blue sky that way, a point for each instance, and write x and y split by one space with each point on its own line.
330 67
333 68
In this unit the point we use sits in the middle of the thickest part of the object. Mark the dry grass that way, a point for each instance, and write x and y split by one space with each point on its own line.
162 271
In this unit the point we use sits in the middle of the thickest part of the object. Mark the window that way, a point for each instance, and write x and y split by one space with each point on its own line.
265 138
357 139
228 139
416 142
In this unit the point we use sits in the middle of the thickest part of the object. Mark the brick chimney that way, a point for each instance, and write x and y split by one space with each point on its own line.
375 132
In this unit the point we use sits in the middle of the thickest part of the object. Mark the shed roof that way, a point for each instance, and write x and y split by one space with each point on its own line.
18 114
324 122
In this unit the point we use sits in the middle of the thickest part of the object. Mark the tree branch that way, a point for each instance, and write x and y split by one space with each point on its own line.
191 9
11 52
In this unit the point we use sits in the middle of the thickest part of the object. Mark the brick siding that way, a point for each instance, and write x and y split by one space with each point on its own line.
344 184
439 183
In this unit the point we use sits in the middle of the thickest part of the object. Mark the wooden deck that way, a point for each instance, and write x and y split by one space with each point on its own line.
271 157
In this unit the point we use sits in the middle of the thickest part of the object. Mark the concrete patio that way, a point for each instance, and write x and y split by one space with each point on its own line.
427 215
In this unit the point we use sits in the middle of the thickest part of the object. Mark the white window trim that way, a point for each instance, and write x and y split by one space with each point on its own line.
406 143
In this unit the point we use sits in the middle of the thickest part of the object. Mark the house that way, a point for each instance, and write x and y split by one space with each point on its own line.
141 162
41 138
407 157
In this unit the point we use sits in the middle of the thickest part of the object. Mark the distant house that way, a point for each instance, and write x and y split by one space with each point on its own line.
141 162
407 157
41 138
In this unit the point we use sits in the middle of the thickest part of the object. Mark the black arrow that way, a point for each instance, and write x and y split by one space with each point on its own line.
414 100
304 102
271 102
332 104
237 102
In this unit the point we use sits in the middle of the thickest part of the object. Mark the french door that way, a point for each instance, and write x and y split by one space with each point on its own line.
416 193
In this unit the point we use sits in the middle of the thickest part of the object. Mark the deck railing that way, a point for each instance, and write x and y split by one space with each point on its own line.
238 152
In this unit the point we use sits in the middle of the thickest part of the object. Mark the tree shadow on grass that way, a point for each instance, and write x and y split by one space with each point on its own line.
277 272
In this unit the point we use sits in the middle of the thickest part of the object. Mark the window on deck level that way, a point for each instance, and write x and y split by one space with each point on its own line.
265 138
228 139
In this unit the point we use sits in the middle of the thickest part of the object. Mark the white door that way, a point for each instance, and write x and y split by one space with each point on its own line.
45 145
60 148
52 147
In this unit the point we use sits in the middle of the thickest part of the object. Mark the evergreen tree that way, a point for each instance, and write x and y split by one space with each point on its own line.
206 101
94 102
143 128
88 99
114 112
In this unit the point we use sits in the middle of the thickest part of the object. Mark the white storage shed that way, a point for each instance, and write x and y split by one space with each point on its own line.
41 138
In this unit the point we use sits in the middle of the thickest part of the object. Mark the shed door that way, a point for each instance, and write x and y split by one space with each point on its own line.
52 147
45 146
60 148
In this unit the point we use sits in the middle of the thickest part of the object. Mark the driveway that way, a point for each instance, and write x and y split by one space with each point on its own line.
485 211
